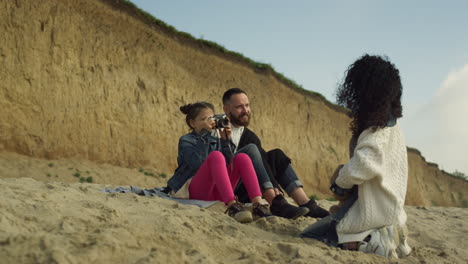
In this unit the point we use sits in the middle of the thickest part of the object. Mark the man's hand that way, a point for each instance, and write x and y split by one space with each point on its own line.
277 192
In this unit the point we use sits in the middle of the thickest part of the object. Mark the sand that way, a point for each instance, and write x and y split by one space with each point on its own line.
48 216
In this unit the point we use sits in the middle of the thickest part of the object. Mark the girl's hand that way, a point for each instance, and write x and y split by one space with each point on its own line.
226 132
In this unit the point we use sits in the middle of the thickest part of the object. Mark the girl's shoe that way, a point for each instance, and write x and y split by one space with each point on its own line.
239 213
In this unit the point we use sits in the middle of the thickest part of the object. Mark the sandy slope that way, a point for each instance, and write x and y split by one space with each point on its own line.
50 220
97 80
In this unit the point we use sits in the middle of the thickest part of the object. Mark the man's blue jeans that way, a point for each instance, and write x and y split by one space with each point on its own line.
263 179
289 180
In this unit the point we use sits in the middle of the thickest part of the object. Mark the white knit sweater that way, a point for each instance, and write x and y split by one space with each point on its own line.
379 166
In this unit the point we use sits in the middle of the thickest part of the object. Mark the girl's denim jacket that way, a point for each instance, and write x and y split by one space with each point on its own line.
193 150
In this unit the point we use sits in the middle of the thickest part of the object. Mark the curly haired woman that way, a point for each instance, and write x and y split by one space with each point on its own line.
378 167
373 182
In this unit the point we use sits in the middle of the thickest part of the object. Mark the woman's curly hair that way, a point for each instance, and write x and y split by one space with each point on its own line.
372 91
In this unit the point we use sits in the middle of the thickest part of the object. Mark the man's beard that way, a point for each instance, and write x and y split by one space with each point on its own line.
238 122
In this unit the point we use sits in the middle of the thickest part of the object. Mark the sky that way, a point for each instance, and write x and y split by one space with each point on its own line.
313 43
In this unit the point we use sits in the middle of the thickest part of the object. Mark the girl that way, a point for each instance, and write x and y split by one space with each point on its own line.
207 169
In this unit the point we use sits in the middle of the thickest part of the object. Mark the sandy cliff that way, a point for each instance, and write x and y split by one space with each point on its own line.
96 80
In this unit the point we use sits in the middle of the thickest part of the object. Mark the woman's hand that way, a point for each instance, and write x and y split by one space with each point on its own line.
339 195
226 132
336 173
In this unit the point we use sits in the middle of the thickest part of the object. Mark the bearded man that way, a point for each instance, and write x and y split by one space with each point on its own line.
280 173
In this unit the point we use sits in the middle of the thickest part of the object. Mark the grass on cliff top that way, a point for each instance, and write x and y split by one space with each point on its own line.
213 45
457 174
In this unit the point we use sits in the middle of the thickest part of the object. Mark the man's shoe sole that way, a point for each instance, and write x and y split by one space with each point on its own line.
300 213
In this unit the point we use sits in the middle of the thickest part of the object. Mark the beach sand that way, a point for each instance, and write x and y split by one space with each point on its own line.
48 216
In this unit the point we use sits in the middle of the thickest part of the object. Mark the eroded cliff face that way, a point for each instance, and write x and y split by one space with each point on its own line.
427 185
95 80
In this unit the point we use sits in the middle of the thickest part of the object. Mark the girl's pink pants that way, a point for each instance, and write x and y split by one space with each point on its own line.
214 181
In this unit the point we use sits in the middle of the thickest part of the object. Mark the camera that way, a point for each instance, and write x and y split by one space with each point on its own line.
221 120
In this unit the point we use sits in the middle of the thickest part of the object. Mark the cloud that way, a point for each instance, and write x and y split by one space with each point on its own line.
439 129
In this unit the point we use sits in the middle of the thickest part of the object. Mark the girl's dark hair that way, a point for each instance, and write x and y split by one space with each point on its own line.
372 91
192 110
